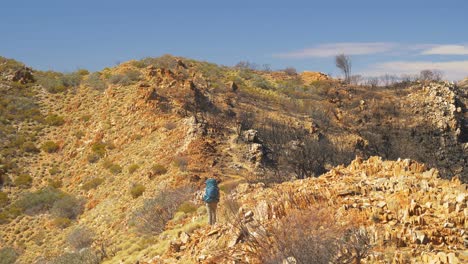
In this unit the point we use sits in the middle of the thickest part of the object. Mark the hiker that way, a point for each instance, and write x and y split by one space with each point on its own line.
211 199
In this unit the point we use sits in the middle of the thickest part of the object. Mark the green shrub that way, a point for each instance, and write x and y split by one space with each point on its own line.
3 199
55 183
67 207
85 118
82 72
54 120
71 79
62 222
50 147
120 79
29 147
132 168
112 167
99 148
158 169
94 81
23 180
137 190
8 255
38 201
92 184
86 256
80 237
93 158
79 134
115 169
54 170
187 207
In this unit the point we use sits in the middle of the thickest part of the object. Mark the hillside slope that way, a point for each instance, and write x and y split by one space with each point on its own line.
103 148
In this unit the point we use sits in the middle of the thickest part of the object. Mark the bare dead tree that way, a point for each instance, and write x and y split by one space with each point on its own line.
430 75
343 63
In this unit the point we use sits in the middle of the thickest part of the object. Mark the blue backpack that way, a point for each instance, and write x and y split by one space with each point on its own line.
211 191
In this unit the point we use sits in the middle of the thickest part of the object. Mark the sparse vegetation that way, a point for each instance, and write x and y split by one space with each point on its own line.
152 217
3 199
86 256
92 184
81 237
50 147
55 82
29 147
94 81
132 168
187 208
23 180
158 169
49 198
181 162
54 120
137 190
312 237
112 167
127 78
62 222
8 255
67 207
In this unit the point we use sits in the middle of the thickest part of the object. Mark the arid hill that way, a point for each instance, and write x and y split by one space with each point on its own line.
109 166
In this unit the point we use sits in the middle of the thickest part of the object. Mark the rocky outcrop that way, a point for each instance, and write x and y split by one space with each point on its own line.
442 107
402 205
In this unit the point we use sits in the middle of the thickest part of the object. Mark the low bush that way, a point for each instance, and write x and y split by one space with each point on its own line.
50 147
93 158
33 202
152 217
54 170
8 255
79 134
67 207
54 120
82 72
86 256
112 167
92 184
81 237
23 180
137 190
55 183
3 199
312 236
29 147
115 169
158 169
62 222
94 81
187 207
49 198
99 148
132 168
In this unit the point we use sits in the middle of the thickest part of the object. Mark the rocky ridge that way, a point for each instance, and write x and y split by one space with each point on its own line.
410 214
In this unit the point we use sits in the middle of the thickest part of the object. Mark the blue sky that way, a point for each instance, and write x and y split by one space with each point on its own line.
380 36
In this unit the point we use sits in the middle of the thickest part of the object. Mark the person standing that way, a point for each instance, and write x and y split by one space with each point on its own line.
211 198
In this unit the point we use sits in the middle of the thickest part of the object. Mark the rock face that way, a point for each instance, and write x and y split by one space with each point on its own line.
401 204
443 107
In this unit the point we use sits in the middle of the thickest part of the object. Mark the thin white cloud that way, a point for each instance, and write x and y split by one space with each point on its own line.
332 49
453 70
446 50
